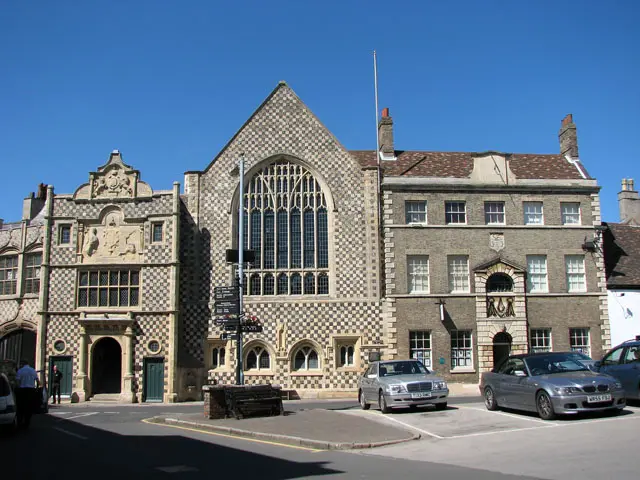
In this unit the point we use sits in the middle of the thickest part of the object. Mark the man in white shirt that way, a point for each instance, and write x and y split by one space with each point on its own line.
26 383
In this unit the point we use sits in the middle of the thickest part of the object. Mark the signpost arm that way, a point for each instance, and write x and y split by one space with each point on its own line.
239 352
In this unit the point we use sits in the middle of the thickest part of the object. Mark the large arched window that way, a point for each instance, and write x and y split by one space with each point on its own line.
286 224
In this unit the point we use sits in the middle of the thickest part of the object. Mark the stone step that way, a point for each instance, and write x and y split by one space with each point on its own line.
106 397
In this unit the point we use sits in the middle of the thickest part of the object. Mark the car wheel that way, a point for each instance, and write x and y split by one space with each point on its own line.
490 399
363 402
382 403
544 406
441 406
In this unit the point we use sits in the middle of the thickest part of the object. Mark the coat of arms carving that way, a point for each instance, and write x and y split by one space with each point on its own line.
496 241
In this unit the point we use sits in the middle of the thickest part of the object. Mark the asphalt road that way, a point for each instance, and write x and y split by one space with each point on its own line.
110 442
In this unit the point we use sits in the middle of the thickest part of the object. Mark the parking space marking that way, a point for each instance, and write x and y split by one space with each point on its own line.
511 430
70 433
82 415
506 414
408 425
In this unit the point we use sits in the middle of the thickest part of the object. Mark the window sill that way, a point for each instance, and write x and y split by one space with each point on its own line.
462 370
220 370
307 374
348 369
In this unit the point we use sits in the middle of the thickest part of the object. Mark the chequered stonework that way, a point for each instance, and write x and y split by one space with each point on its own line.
67 329
155 288
283 125
147 328
62 290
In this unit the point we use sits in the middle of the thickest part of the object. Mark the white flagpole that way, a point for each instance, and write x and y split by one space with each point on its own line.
375 88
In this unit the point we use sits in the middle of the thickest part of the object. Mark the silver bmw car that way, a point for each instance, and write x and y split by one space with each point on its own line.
550 384
401 383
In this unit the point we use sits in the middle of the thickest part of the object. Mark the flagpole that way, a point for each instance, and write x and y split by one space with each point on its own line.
375 89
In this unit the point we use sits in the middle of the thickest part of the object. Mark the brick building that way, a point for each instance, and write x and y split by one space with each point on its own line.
476 254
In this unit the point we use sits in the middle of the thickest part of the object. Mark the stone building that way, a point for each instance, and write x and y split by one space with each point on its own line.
490 253
453 258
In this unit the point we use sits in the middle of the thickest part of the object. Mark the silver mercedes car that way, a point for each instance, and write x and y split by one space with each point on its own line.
550 384
401 383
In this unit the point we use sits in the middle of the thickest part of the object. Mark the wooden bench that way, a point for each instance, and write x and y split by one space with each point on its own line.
249 400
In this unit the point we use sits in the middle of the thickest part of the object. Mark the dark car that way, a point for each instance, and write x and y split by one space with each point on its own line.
623 363
550 384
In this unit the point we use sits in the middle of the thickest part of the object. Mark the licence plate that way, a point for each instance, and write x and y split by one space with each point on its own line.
421 395
598 398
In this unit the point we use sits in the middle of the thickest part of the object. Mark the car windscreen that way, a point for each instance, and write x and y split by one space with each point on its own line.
402 368
553 363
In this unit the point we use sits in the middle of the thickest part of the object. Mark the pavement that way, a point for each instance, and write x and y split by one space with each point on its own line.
317 428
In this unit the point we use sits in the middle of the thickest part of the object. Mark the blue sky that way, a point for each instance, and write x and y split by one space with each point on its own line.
168 83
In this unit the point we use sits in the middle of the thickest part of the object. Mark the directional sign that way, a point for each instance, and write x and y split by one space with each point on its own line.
252 328
226 308
226 293
228 320
228 336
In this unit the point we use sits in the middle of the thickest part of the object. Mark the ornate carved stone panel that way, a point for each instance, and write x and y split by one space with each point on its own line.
112 241
116 179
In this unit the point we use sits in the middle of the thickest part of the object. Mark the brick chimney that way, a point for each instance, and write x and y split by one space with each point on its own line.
385 134
32 205
568 136
629 203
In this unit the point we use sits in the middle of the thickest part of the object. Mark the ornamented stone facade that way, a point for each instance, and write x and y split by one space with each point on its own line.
425 254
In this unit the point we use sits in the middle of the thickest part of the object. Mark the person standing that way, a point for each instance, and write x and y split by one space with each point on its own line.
57 377
26 381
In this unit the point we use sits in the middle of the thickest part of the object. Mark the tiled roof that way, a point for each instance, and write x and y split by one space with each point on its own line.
622 255
460 164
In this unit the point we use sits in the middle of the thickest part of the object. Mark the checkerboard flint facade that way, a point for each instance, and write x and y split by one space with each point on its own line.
124 262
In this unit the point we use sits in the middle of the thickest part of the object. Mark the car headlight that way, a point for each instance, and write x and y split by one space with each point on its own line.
439 385
397 388
568 390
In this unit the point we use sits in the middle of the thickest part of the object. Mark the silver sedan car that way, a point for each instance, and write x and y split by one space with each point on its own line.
550 384
401 383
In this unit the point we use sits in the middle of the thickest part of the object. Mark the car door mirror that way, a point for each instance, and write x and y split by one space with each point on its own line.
597 364
519 373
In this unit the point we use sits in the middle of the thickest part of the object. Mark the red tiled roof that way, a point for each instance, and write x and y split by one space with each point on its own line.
622 255
460 164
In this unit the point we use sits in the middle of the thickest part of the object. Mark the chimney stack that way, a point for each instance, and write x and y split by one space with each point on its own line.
568 136
385 134
629 203
32 205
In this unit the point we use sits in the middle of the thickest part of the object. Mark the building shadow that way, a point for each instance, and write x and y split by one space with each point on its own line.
58 448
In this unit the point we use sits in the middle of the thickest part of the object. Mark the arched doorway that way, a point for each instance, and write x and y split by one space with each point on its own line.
19 345
106 366
501 347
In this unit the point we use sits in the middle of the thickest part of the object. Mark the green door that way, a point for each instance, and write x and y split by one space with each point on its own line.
65 365
153 379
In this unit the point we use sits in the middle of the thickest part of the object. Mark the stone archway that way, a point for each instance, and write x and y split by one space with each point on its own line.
106 366
501 347
19 345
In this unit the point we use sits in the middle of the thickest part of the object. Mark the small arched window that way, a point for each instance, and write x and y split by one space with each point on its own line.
306 358
218 355
346 356
499 282
257 359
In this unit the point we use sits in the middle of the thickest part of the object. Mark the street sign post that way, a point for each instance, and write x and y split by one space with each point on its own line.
226 307
226 294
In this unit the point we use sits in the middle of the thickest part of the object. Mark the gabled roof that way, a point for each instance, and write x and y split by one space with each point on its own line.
622 255
460 164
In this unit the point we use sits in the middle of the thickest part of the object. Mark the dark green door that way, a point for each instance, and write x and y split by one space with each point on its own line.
153 379
65 365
